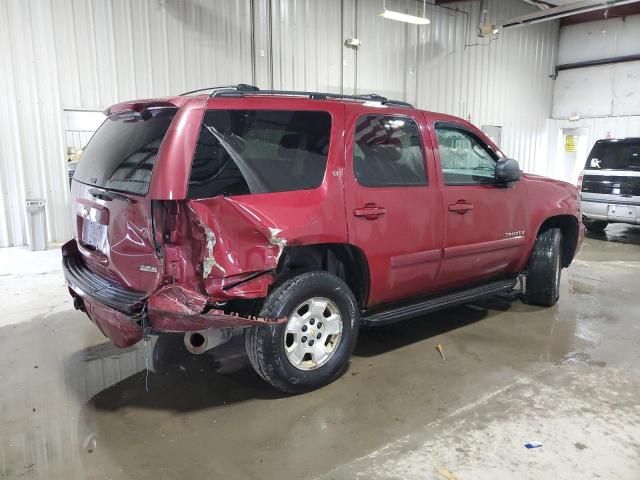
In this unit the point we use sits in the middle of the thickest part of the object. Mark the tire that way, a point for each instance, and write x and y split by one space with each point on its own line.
595 226
269 346
544 269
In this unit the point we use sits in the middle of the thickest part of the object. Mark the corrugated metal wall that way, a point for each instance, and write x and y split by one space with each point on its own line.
606 90
306 45
606 98
596 129
84 54
87 54
505 82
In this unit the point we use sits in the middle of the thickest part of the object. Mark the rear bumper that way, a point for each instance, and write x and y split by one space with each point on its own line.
115 311
611 211
119 312
122 329
87 283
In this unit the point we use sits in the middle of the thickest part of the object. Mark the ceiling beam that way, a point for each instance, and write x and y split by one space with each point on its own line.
600 12
613 12
563 11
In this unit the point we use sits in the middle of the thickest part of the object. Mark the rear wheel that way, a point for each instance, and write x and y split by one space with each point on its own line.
544 269
595 226
313 347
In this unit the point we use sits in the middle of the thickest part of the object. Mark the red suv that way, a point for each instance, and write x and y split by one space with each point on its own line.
297 217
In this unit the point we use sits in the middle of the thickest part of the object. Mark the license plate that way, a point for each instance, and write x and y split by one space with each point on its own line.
621 212
94 234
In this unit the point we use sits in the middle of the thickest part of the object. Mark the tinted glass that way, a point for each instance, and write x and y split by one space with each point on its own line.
123 151
259 151
618 155
388 152
465 159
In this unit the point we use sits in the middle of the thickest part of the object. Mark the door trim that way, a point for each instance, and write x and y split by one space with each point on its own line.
476 248
415 258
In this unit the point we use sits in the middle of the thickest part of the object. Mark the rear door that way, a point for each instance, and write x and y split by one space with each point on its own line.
394 209
484 222
112 217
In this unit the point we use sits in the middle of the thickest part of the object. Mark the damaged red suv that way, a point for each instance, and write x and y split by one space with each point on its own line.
295 217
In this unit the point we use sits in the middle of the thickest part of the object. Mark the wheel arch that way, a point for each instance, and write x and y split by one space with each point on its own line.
344 260
568 225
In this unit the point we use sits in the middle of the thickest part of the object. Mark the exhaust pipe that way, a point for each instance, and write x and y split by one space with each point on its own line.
203 340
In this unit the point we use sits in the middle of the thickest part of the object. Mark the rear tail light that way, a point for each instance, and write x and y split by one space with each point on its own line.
580 177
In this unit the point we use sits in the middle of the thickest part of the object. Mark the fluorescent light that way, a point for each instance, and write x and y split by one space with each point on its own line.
403 17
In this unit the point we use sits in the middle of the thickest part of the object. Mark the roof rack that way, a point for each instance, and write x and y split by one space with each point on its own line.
238 87
243 89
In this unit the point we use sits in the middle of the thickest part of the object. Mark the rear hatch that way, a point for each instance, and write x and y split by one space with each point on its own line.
613 168
113 220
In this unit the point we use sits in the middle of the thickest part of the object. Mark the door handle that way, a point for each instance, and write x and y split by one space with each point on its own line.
370 211
460 207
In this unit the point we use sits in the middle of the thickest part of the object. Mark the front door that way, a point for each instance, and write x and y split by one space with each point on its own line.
394 208
484 222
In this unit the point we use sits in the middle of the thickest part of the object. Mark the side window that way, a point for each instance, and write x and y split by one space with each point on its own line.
241 152
465 159
388 152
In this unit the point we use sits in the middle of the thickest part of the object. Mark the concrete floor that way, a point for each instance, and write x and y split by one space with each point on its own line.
72 406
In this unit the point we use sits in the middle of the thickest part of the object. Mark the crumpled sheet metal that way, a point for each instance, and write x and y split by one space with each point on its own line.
176 300
237 239
121 329
176 309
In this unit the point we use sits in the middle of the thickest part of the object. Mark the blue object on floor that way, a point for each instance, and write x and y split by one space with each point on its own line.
533 445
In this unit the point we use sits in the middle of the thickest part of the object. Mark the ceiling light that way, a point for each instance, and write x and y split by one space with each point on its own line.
403 17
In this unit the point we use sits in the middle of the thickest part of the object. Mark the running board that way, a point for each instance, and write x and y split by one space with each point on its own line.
396 313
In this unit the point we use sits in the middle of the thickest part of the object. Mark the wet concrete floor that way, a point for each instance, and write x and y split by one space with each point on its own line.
72 406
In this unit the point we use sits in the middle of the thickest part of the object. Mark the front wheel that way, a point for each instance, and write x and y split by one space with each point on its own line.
314 346
543 271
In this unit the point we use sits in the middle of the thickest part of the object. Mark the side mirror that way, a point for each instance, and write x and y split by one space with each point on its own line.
508 171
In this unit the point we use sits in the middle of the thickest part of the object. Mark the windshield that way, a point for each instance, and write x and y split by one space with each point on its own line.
122 153
259 151
615 155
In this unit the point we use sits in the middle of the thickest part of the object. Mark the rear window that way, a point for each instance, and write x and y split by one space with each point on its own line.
122 153
614 155
259 151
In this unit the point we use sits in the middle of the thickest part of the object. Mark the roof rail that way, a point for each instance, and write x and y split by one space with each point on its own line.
239 87
242 89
